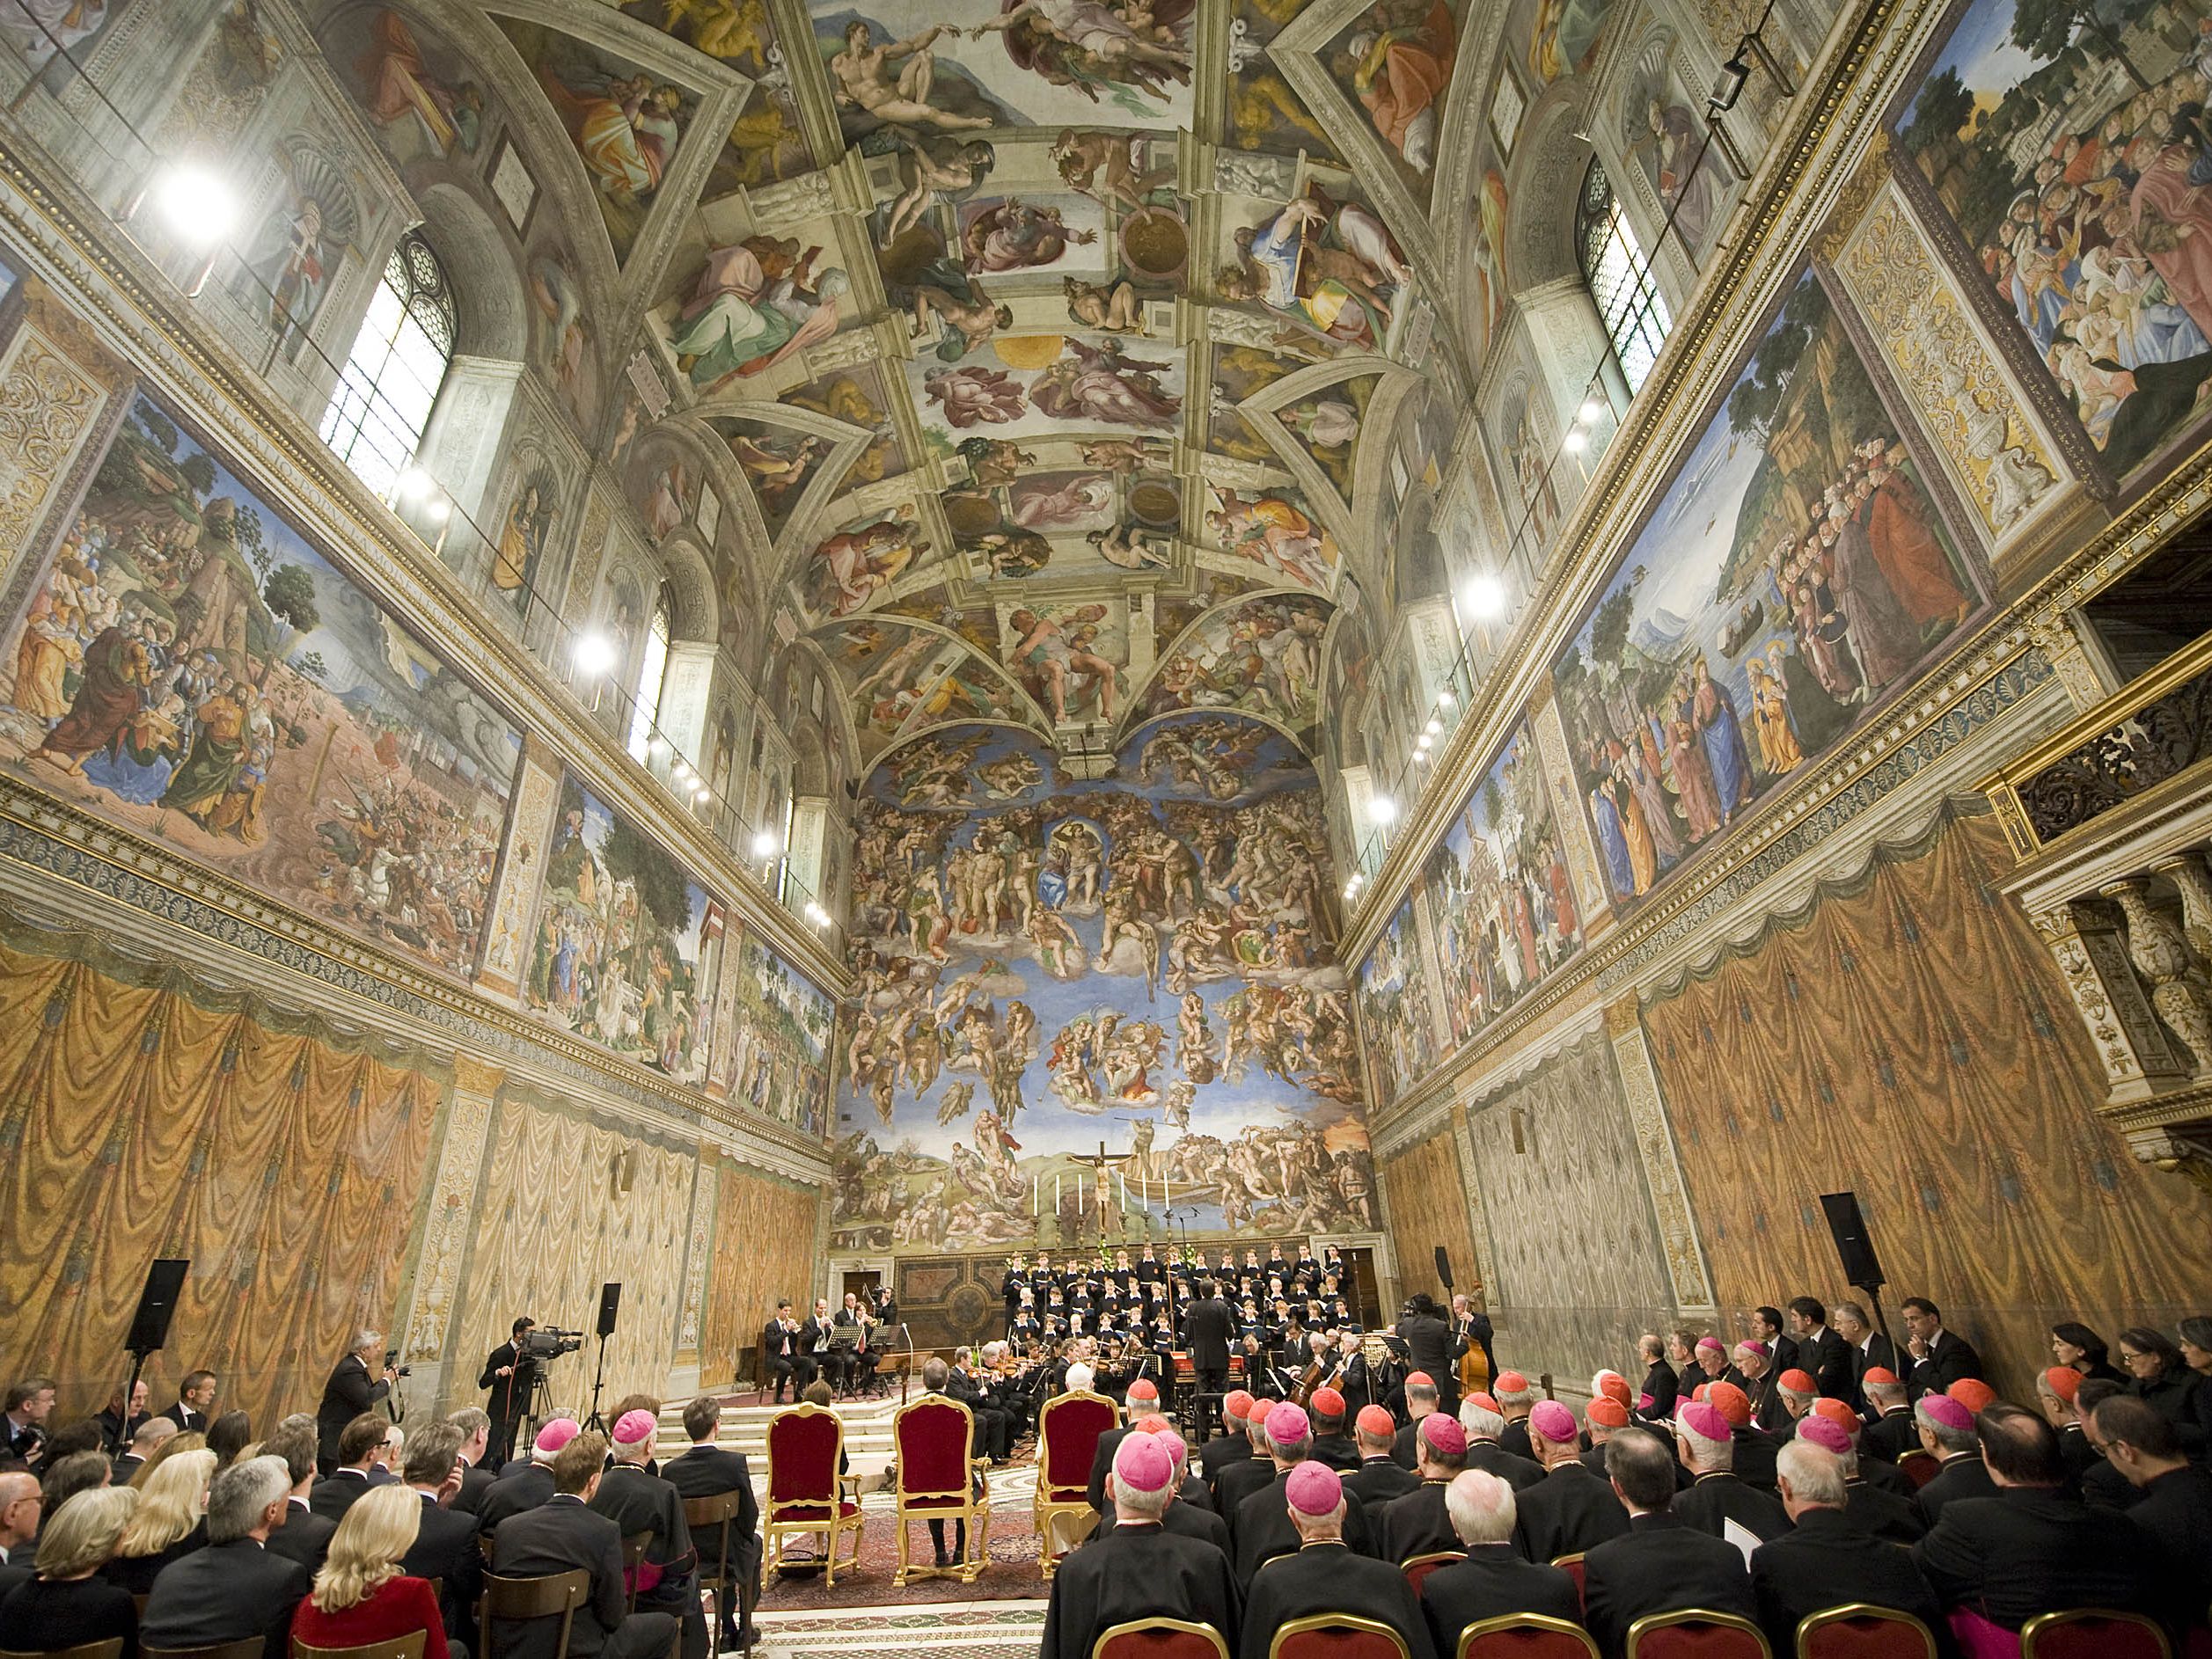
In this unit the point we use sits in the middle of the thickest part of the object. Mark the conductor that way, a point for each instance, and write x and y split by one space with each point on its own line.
507 1378
1206 1331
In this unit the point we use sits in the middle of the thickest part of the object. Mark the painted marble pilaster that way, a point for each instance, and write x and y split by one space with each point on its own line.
528 824
54 385
1685 1255
1568 814
698 1254
427 1333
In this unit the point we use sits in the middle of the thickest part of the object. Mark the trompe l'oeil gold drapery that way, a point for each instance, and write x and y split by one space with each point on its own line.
136 1122
1912 1042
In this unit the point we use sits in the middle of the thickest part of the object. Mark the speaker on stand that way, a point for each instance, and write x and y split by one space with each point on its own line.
150 1324
1854 1249
610 1307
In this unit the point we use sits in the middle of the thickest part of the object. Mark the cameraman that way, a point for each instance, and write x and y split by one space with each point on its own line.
506 1375
348 1393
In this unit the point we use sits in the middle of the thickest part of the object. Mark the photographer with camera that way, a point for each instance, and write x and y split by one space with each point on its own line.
350 1392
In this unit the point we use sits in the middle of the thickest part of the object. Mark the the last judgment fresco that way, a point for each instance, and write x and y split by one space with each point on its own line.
1097 1010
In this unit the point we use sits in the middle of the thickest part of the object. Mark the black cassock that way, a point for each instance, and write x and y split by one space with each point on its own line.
1329 1578
638 1502
509 1399
1136 1572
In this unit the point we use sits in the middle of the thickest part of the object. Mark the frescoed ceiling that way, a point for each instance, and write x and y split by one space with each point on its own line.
1035 345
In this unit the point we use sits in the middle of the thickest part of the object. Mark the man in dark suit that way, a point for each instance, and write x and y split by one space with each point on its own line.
1570 1511
1821 1353
1380 1477
1137 1568
358 1443
1188 1513
1324 1575
21 1505
1660 1564
474 1426
1417 1523
119 1422
637 1499
1239 1481
1938 1357
506 1379
1434 1346
2174 1512
352 1388
1207 1330
1947 1431
305 1536
1478 1416
444 1546
234 1589
1766 1327
526 1483
1141 1400
1870 1349
143 1445
782 1352
1892 1433
1495 1579
709 1470
818 1335
1707 1447
561 1535
1824 1560
1233 1444
2034 1547
1661 1386
194 1403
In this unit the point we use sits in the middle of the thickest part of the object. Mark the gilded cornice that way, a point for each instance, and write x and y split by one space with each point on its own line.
124 299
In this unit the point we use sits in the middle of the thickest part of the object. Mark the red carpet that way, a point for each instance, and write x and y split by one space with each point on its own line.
1011 1574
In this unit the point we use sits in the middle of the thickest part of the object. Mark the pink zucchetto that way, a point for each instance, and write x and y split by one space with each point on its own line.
1443 1434
1703 1421
1821 1432
1943 1409
1142 1464
1314 1488
555 1434
1288 1424
1714 1343
1178 1450
633 1426
1554 1421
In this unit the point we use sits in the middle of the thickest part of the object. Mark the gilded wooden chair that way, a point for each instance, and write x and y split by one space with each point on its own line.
808 1496
1860 1631
940 1479
1067 1432
1336 1636
1159 1638
1697 1633
1525 1636
2093 1633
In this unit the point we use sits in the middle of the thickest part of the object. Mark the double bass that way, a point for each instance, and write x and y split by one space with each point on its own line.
1474 1365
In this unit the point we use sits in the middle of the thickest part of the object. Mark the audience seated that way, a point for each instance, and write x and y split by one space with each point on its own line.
1331 1445
1138 1568
362 1593
1417 1523
474 1425
638 1501
1381 1477
709 1470
145 1441
234 1588
23 1426
1935 1358
1421 1399
563 1535
1324 1575
1495 1580
1571 1509
1263 1527
169 1523
2175 1513
444 1547
69 1604
228 1435
1707 1448
62 1479
1142 1399
1485 1429
1893 1431
2034 1547
1514 1400
2102 1486
20 1501
1659 1564
305 1536
1868 1507
1824 1560
1947 1432
1233 1444
359 1448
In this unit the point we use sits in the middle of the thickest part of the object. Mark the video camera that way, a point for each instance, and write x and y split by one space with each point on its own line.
392 1363
548 1343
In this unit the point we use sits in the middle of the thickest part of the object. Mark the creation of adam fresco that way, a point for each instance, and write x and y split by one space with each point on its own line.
1082 1004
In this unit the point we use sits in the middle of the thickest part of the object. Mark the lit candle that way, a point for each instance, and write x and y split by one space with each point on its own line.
1056 1192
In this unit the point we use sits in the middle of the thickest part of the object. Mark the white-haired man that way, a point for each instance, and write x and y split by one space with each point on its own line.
1946 1430
1824 1560
353 1387
1707 1447
1479 1416
1494 1580
1138 1568
234 1589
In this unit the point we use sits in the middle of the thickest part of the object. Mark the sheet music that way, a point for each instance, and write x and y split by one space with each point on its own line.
1741 1536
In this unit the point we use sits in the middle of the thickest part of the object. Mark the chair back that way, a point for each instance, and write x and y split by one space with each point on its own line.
554 1595
804 1443
2093 1633
1525 1636
1697 1633
637 1573
717 1511
1417 1569
112 1648
406 1647
1336 1636
1859 1631
1919 1468
1571 1566
1160 1639
931 1436
1067 1432
244 1647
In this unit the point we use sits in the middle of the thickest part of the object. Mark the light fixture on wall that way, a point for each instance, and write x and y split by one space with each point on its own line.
1730 87
1382 809
593 653
1485 597
764 844
196 208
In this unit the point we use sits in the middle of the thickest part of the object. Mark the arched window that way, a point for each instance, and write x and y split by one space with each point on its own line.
383 402
1620 278
652 672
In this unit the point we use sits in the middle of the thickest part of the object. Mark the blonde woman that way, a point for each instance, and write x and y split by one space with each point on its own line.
361 1597
69 1604
171 1521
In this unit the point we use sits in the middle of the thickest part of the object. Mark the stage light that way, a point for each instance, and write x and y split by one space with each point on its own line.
1485 600
1445 699
196 204
593 653
1590 411
438 509
1576 442
764 844
1434 728
1382 809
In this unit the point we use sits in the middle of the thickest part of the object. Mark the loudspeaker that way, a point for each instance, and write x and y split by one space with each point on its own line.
1854 1247
610 1303
1443 1266
156 1304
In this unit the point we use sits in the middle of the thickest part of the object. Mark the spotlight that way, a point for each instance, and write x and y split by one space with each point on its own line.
1485 600
1382 809
438 509
1444 698
655 743
593 653
1590 411
700 794
1434 727
764 844
1730 87
414 484
1576 442
196 204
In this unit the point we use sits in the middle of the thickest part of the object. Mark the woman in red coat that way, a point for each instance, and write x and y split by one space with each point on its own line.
361 1597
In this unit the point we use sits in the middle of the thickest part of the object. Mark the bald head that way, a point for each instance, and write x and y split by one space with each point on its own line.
19 1510
150 1434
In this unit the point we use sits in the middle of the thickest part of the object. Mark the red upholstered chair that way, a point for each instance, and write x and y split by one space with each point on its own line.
1525 1636
805 1493
1920 1467
1571 1566
1697 1633
939 1479
1161 1639
1417 1569
2093 1633
1860 1632
1336 1636
1067 1432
